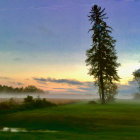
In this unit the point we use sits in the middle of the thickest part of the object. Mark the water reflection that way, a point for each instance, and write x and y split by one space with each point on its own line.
10 129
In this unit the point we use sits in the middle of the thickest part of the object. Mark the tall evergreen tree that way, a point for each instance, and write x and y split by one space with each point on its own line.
102 55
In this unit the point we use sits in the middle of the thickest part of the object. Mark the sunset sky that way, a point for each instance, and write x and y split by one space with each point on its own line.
43 43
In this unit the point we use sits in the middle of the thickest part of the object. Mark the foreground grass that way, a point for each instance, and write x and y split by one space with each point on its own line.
66 136
76 121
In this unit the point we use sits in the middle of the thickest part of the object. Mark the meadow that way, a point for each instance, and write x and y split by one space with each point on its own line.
77 121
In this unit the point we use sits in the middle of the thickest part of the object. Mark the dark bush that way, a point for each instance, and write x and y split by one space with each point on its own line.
92 102
137 96
9 105
28 99
29 102
4 106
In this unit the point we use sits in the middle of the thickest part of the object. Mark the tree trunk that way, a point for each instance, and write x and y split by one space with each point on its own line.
101 77
102 88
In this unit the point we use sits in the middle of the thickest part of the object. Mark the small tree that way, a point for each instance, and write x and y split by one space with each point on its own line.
136 75
102 56
110 92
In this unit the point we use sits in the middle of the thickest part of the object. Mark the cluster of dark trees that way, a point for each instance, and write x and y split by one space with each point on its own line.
28 89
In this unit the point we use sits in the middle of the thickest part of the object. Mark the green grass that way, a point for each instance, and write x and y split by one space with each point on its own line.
76 121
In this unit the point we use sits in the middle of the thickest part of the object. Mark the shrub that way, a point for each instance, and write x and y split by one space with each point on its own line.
9 105
28 99
4 106
137 96
29 102
92 102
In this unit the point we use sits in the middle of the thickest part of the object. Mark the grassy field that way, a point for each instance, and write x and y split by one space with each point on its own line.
81 121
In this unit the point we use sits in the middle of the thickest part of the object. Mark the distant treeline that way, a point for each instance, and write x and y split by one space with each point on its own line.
28 89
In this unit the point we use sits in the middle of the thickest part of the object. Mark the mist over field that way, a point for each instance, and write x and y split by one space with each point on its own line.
46 95
59 96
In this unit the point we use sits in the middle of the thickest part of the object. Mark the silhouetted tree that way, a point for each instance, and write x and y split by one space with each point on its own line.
136 75
102 56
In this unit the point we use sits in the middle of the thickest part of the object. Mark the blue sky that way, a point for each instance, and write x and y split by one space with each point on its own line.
48 39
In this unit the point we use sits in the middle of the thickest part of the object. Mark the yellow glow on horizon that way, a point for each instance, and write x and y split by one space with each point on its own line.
20 73
126 71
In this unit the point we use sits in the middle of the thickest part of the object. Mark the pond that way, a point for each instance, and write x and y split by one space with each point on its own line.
10 129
